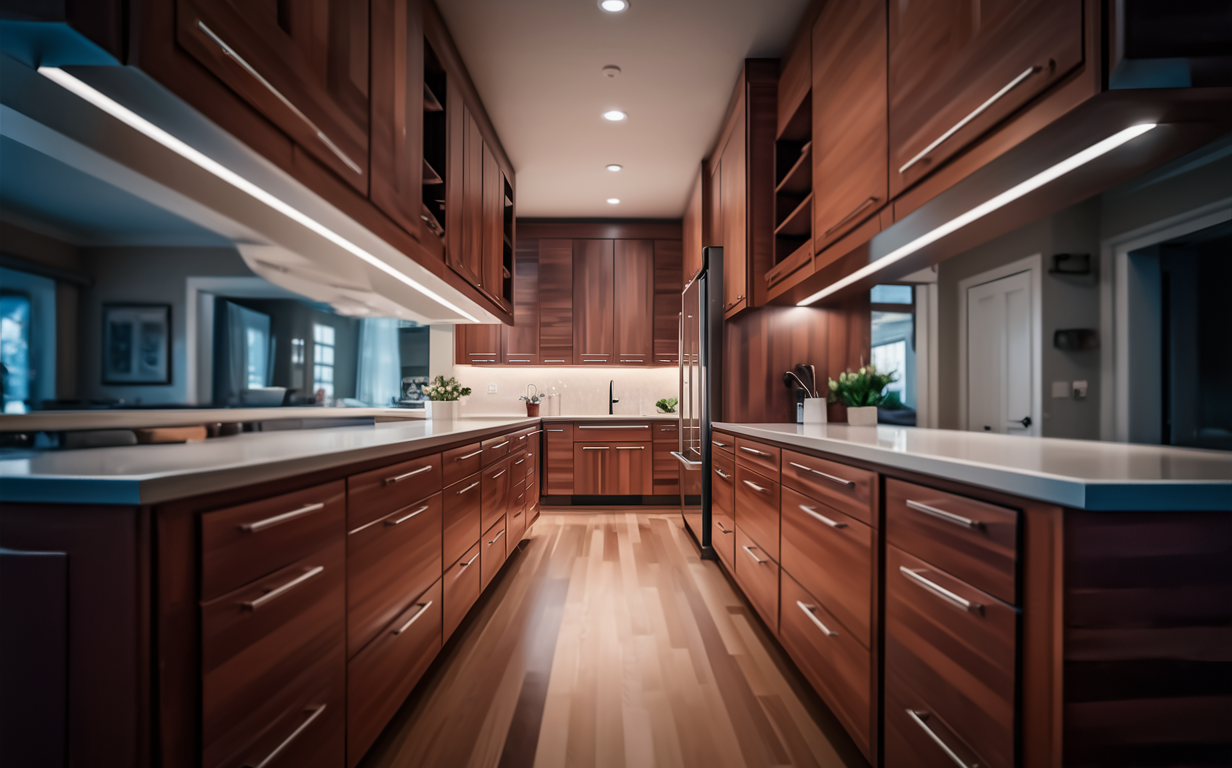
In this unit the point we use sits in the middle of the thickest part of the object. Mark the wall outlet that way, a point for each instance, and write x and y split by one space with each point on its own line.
1060 389
491 389
1080 390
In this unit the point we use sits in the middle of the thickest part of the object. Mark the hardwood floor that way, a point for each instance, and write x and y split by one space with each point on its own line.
607 641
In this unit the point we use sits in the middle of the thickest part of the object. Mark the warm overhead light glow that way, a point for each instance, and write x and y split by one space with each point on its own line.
139 123
614 115
614 200
614 167
614 6
983 209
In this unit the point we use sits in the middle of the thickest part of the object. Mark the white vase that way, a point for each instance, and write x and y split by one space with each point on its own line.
865 416
814 410
441 410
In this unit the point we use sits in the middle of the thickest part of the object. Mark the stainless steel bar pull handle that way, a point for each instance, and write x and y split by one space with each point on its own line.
685 461
519 461
919 717
498 538
615 426
630 447
808 611
949 517
555 430
594 447
230 52
285 517
423 608
832 478
1011 85
756 559
832 523
402 520
498 474
721 528
941 591
469 455
274 594
717 443
412 473
851 215
755 486
500 445
472 486
722 474
468 562
269 759
753 450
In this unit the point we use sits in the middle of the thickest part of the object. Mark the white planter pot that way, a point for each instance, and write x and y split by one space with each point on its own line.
865 416
814 410
442 410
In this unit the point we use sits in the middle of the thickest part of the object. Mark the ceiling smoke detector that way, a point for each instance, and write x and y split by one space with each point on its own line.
611 71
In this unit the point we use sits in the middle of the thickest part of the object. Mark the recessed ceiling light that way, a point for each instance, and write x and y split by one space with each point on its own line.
615 115
614 167
614 6
613 201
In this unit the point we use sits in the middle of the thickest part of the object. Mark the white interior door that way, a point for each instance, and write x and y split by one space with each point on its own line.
999 369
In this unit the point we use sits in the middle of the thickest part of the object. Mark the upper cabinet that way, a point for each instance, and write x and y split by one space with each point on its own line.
302 65
695 231
668 284
593 294
955 72
556 302
521 340
634 304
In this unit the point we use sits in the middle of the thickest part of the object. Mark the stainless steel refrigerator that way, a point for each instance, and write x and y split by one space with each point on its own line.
701 390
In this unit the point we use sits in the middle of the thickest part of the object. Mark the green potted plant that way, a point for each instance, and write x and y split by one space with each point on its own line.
532 399
861 391
667 405
442 404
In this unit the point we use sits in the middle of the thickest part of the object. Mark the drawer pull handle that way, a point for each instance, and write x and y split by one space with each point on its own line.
756 559
231 54
402 520
721 528
941 591
832 523
555 430
753 450
498 474
274 594
470 487
1011 85
808 611
285 517
722 474
949 517
841 481
294 735
615 426
498 537
468 562
755 486
919 717
721 445
412 473
594 447
422 609
851 215
500 445
519 461
517 361
553 361
469 455
630 447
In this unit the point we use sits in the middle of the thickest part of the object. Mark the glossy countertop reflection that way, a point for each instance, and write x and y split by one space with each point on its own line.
152 474
1083 474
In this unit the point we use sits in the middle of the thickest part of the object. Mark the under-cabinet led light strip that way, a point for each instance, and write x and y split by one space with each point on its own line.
978 212
139 123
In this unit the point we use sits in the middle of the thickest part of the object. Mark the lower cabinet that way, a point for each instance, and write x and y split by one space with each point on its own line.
462 585
613 469
492 551
758 576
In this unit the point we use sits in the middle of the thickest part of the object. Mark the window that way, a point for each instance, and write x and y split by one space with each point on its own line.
893 337
323 359
15 351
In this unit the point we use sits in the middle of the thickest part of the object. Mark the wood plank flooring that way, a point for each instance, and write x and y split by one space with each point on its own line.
607 641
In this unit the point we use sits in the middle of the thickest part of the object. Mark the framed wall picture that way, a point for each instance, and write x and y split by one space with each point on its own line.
136 344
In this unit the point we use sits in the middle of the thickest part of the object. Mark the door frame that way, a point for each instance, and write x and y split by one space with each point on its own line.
1114 307
1034 265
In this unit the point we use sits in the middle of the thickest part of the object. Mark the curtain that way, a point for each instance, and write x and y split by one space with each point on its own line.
380 364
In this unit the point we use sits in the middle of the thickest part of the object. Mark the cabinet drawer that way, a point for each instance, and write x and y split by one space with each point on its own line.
666 480
249 541
375 494
462 584
526 439
608 433
845 488
492 547
916 735
266 643
757 509
833 659
518 464
496 483
975 541
461 463
496 448
831 555
462 520
759 456
723 442
758 575
723 538
722 492
389 562
381 676
665 432
957 645
517 520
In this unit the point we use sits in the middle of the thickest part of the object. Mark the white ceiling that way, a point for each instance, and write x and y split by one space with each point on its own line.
536 64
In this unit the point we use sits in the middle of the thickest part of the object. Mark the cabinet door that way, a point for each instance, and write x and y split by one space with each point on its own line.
629 470
668 283
477 344
302 65
955 72
592 301
633 328
556 302
491 213
397 117
464 190
558 461
589 462
521 340
735 221
713 225
849 117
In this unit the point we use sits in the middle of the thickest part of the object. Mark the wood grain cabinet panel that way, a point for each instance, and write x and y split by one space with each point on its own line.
521 340
556 302
461 584
375 494
843 487
252 540
496 482
459 463
462 518
558 469
389 561
849 149
723 442
954 74
758 456
630 471
758 576
397 140
495 448
477 344
723 538
380 678
757 508
492 551
633 302
494 270
973 540
593 294
666 470
734 198
668 285
607 431
589 460
916 735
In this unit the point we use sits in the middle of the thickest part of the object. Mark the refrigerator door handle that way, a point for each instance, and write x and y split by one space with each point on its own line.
688 464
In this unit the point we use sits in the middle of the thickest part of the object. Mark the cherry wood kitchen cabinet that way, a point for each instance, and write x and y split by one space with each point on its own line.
593 295
464 190
559 473
497 197
954 74
399 149
477 344
520 341
695 234
849 144
633 306
613 469
556 302
668 285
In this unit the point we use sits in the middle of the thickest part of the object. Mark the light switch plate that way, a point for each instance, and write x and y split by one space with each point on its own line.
1080 390
491 389
1060 389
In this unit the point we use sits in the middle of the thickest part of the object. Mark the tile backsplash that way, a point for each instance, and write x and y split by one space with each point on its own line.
582 391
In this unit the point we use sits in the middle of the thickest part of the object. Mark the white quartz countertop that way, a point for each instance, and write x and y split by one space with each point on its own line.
137 418
1081 474
152 474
